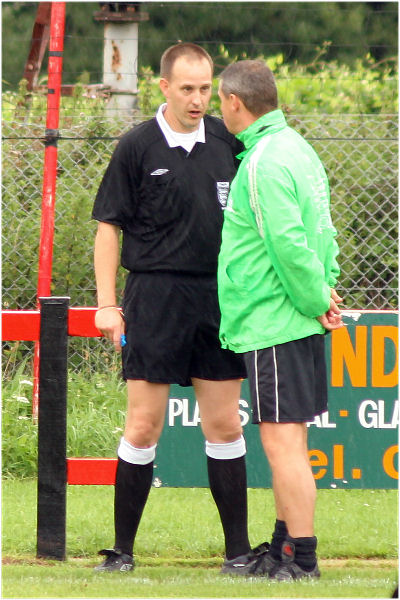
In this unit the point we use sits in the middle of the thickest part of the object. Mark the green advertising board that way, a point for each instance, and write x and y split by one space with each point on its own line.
353 445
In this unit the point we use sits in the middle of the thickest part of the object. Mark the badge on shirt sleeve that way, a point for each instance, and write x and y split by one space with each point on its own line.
223 192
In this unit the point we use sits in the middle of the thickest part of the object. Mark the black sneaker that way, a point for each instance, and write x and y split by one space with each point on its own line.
257 562
240 565
288 569
265 561
115 561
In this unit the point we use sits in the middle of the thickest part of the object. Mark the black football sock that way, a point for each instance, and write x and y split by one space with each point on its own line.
278 537
305 551
228 485
132 487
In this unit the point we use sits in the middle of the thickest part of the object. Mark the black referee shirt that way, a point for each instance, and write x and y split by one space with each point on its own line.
168 202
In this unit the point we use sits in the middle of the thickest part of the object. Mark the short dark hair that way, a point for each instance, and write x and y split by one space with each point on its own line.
191 51
254 83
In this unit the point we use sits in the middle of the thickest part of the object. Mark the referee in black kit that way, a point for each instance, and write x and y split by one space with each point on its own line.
165 188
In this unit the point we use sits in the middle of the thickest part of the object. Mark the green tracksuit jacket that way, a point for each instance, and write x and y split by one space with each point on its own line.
277 261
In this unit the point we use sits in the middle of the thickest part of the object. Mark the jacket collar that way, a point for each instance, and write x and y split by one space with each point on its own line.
266 125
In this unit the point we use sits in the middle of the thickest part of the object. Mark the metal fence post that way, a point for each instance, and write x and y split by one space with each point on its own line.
56 48
52 432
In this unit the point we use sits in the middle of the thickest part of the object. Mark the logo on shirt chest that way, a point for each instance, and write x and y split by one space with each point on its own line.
222 192
159 172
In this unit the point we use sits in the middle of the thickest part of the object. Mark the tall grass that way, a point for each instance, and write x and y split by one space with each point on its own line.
96 414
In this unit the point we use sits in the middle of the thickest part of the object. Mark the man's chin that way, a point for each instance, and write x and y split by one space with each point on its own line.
192 125
195 119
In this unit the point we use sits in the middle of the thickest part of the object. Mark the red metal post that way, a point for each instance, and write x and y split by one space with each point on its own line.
40 38
56 46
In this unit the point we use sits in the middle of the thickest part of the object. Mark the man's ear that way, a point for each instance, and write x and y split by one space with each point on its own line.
164 86
235 102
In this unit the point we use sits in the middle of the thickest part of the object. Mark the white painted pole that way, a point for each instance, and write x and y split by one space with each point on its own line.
120 63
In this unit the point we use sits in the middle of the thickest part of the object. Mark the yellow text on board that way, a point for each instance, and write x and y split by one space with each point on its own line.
353 354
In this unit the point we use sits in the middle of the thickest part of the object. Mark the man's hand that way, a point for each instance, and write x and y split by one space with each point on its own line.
332 319
335 296
111 324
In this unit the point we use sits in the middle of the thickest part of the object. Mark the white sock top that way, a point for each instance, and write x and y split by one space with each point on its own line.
136 456
225 451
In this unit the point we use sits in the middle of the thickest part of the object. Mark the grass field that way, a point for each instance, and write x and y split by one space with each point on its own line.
179 546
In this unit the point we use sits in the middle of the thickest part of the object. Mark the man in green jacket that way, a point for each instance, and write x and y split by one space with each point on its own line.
276 277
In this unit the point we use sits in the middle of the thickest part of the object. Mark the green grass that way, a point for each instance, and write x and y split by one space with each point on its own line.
179 546
69 580
183 522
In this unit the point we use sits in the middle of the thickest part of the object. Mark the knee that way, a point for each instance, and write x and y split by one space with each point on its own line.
281 445
141 433
222 431
275 452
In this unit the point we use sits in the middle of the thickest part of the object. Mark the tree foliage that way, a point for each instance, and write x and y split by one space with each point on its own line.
353 30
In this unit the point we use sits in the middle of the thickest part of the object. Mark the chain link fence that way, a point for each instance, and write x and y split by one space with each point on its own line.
360 154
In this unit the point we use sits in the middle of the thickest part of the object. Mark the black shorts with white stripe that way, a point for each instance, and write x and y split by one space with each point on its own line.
288 382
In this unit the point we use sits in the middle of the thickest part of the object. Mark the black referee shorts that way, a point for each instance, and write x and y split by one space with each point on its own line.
172 329
288 382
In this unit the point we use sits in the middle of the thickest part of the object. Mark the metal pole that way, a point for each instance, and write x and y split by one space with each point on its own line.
56 46
40 39
52 429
